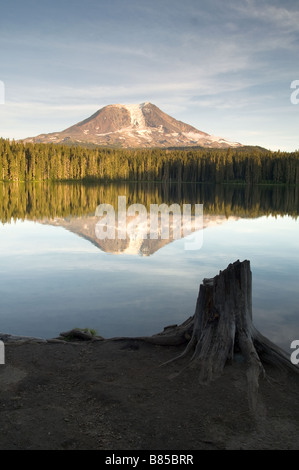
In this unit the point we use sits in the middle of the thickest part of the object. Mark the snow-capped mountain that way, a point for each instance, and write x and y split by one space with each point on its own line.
134 125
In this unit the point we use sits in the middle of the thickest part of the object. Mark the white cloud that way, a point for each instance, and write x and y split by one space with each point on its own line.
280 17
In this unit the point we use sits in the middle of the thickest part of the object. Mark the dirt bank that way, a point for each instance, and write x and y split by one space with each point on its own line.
113 395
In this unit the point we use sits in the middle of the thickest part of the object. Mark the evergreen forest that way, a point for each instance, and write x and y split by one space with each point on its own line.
55 162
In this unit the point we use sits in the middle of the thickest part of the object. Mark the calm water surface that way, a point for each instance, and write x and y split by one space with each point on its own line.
55 274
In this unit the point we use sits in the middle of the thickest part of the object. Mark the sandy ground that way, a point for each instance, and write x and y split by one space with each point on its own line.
112 395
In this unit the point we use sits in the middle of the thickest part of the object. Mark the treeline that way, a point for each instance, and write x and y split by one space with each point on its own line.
36 201
43 162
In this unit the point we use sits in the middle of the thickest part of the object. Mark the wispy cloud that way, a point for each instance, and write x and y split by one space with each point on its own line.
282 18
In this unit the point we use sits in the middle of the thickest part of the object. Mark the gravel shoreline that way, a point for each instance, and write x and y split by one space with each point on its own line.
114 395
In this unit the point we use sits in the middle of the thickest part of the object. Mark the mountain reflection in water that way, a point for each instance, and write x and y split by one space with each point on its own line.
73 206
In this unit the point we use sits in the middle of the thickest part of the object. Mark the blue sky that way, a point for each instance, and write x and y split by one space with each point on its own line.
223 67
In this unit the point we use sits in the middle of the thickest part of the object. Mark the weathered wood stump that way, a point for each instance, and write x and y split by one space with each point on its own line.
221 326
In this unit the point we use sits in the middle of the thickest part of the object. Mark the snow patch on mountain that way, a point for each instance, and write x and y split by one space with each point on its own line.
221 140
137 117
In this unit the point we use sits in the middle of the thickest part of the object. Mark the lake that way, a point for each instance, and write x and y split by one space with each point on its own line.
56 274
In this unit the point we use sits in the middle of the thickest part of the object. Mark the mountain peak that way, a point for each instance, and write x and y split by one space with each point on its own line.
134 125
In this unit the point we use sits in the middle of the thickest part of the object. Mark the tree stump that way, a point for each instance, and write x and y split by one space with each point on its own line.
221 326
